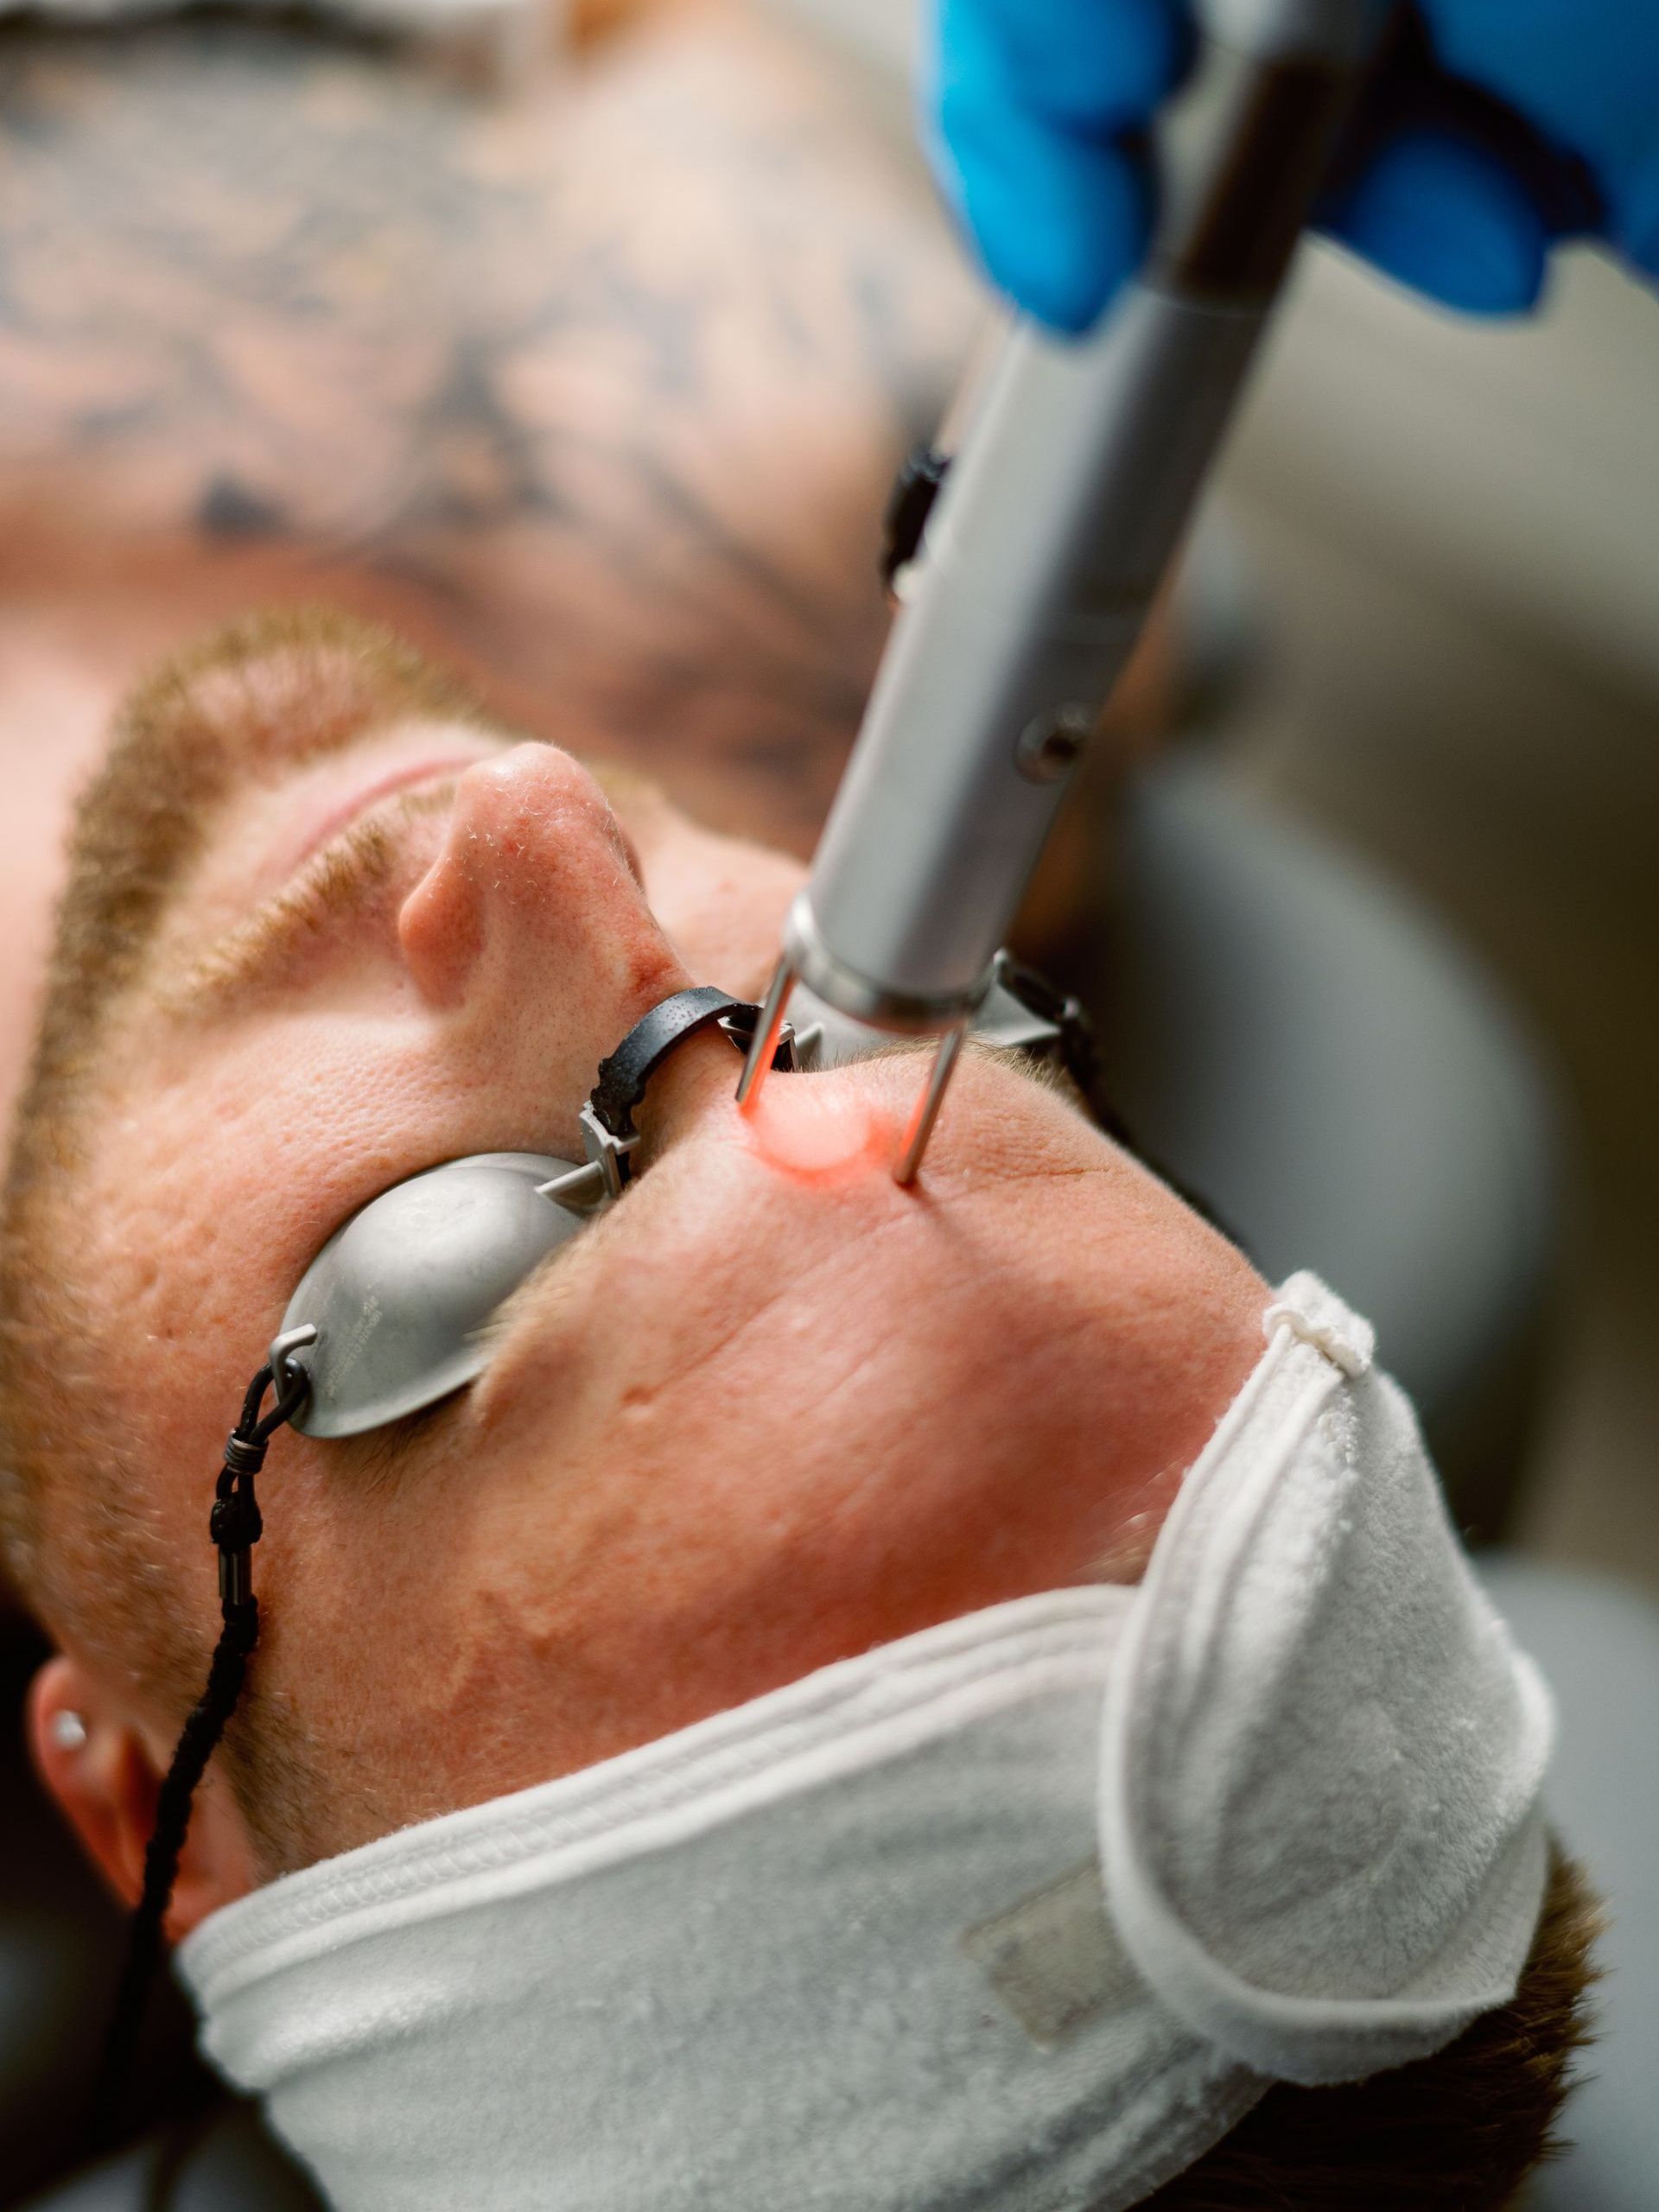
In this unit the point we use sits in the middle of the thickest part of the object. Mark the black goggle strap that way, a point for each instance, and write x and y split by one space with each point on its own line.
609 1132
1078 1045
236 1527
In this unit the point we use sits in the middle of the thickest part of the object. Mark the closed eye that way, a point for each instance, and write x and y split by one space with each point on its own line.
349 878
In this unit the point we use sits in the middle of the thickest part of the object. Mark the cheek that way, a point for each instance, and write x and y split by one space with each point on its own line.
248 1162
807 1449
206 1203
429 1630
721 901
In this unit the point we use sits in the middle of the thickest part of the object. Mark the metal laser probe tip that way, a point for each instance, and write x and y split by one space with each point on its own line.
905 1168
767 1031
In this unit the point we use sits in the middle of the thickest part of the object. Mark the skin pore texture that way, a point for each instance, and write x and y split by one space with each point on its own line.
758 1417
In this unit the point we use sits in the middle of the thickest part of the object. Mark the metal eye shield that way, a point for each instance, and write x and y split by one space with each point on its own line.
401 1293
401 1296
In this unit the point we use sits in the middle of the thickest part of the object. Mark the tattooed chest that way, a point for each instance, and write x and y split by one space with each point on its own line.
604 386
269 286
262 290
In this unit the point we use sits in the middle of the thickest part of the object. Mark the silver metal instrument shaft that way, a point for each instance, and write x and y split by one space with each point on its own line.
767 1031
908 1164
1045 545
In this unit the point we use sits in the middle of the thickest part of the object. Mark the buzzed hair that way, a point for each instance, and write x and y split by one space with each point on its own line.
1456 2132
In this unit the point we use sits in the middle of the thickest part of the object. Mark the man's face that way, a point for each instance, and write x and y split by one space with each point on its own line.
767 1411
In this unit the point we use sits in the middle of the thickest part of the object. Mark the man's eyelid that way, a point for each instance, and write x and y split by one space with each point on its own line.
394 809
257 941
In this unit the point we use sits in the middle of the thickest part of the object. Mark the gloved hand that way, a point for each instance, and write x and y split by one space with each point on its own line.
1498 127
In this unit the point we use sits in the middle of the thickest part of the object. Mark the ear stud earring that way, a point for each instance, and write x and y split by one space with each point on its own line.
68 1731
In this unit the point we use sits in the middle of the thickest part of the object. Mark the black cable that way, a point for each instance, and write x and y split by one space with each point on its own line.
236 1527
196 1746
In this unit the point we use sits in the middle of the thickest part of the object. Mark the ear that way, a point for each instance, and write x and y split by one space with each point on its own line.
105 1774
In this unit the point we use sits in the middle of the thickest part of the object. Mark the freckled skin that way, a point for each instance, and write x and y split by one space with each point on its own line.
768 1412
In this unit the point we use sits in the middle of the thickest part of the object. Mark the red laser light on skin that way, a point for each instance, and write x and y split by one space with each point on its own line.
811 1129
925 1112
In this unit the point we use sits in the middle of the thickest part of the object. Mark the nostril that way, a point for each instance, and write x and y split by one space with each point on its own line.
441 931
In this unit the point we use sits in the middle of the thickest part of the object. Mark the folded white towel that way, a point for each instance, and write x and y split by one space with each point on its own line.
1323 1755
1023 1912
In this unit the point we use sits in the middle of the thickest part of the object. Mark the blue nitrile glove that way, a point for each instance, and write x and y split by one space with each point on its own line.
1498 127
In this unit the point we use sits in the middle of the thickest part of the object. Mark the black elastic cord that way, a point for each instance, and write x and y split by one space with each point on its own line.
1079 1049
196 1745
236 1527
625 1073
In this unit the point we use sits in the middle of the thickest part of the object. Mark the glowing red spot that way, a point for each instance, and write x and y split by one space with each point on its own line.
810 1129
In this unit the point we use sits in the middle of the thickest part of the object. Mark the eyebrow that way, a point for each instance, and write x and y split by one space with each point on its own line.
332 886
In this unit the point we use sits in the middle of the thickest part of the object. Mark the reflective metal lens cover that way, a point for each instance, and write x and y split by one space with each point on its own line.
401 1293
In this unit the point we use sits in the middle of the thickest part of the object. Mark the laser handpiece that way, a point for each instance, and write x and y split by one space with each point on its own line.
1044 549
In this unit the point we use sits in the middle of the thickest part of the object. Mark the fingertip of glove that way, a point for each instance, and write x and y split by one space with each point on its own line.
1057 222
1449 219
1078 63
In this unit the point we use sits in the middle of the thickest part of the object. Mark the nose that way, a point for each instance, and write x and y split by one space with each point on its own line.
534 902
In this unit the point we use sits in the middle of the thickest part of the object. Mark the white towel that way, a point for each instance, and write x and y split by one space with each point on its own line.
1023 1912
1323 1755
